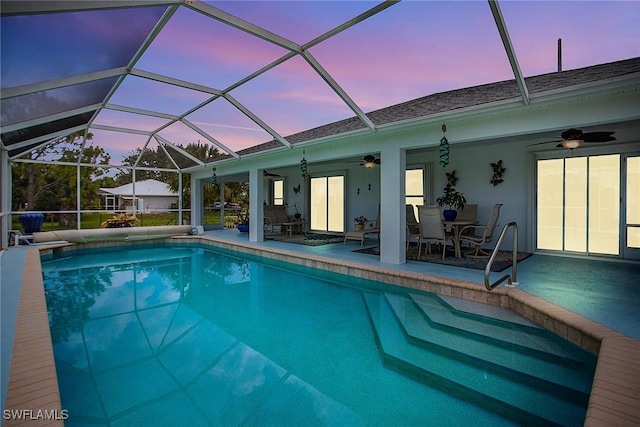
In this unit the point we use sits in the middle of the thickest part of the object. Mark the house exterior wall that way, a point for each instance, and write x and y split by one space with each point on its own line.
150 202
503 131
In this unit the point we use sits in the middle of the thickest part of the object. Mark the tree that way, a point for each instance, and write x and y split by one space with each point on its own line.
158 159
46 186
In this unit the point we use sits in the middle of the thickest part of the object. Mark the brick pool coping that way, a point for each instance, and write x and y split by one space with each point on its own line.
615 394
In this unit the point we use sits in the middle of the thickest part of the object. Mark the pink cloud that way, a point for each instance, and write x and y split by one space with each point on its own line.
410 50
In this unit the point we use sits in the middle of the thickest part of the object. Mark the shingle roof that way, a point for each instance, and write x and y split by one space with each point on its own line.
148 187
462 98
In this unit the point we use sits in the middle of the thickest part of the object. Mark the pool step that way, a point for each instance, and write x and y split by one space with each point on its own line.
545 371
512 332
504 390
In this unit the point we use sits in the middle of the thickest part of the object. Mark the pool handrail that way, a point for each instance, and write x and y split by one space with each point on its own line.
511 278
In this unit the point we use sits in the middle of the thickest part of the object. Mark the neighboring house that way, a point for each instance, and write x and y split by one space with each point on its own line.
149 195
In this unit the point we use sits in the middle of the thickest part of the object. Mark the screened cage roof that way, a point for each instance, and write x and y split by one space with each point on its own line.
246 76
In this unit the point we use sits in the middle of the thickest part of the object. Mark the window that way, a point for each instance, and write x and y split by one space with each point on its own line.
633 202
278 191
414 188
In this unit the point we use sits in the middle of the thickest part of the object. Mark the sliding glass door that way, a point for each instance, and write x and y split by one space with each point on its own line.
589 205
632 210
327 204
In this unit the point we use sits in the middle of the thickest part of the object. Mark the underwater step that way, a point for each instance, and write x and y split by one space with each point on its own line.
517 336
567 378
516 400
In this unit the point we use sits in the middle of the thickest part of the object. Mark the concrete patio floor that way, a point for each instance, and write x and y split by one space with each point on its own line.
601 291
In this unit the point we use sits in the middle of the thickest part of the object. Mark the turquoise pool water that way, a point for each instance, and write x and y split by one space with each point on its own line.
190 336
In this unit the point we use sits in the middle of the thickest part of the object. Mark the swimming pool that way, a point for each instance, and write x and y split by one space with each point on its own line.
177 335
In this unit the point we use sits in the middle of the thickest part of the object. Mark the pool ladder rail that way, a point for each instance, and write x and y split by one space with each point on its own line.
511 278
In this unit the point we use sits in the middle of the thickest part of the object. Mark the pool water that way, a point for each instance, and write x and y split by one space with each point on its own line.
191 336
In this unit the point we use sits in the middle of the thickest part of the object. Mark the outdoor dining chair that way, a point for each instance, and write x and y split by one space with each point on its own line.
432 229
478 235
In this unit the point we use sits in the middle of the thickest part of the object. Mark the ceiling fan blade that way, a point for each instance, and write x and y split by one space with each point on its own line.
598 137
560 146
545 142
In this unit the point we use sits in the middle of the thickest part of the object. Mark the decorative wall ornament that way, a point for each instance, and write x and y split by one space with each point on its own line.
214 177
498 170
452 179
444 148
303 167
296 189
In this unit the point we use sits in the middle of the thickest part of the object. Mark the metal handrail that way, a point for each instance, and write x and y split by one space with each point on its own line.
514 266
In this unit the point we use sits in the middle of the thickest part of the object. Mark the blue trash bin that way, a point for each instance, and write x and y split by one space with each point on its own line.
31 222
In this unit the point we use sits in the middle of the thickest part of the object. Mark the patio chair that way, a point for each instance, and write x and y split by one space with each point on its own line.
478 235
16 238
361 235
413 227
432 229
468 213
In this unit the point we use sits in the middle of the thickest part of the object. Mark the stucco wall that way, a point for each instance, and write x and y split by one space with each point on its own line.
473 169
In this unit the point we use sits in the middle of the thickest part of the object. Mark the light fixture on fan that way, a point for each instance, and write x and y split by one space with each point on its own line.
572 143
368 164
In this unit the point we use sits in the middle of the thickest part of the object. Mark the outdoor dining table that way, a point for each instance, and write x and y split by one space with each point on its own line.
456 226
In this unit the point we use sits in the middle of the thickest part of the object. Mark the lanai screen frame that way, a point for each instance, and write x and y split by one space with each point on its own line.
12 152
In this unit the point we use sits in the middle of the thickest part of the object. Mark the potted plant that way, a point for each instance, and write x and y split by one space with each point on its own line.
120 220
243 221
31 222
297 215
360 222
453 200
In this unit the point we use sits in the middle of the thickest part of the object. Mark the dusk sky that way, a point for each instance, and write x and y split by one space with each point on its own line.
409 50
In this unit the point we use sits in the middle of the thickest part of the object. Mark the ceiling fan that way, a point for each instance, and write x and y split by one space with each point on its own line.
574 138
369 161
268 175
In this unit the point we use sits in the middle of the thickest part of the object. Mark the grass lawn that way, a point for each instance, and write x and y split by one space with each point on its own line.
93 220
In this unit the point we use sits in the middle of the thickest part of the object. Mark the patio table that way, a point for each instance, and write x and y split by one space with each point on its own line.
456 226
298 224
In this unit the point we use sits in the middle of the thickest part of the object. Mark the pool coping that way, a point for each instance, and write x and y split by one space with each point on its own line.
615 393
